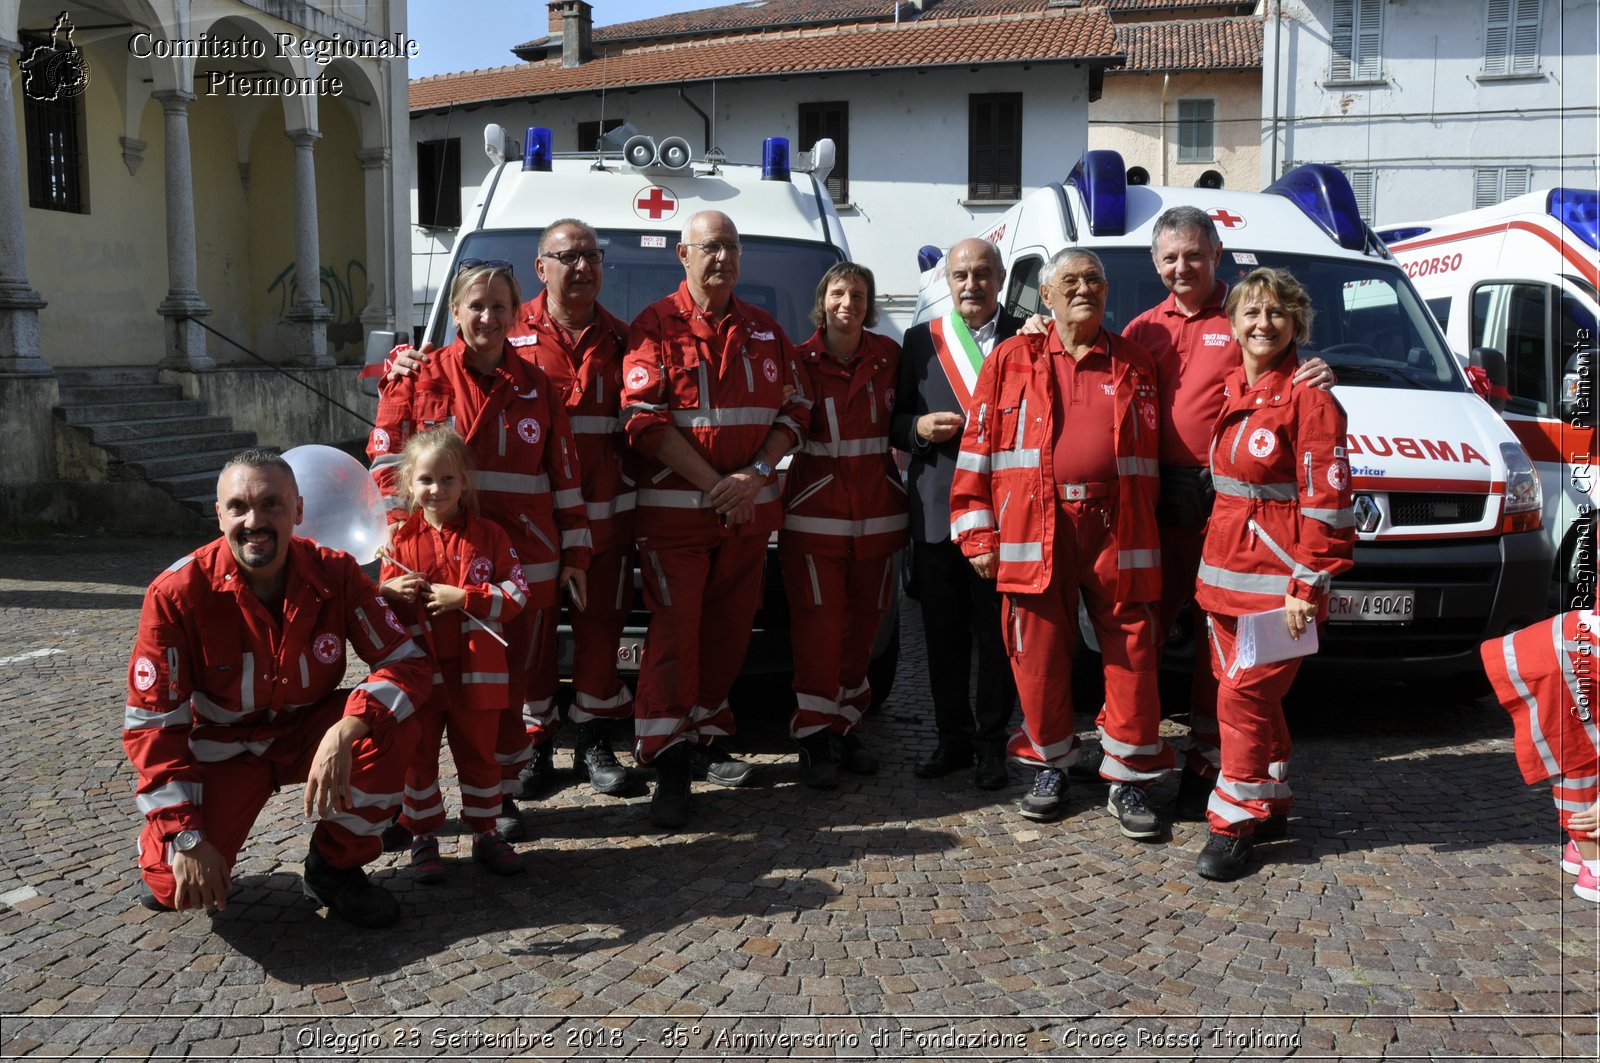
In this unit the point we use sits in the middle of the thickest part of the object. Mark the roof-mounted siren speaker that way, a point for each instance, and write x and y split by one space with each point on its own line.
494 143
640 151
673 153
819 161
1138 175
1209 179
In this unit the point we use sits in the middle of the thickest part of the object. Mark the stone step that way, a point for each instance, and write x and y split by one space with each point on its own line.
164 469
140 451
108 376
109 432
104 394
193 487
131 411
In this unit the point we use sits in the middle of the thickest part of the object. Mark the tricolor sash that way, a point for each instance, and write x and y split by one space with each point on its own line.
958 354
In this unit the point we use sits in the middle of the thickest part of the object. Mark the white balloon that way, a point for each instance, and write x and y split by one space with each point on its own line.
343 506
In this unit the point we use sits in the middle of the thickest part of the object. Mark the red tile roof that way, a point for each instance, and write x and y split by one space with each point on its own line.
1191 44
1076 35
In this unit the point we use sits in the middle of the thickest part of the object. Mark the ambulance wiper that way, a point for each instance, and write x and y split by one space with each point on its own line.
1373 371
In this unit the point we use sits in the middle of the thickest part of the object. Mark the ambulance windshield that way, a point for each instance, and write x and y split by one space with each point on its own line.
779 276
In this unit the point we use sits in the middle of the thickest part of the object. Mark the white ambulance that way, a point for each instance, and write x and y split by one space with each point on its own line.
1521 278
1448 504
638 197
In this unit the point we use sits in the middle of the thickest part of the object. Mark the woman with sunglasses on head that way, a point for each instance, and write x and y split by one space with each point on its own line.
528 474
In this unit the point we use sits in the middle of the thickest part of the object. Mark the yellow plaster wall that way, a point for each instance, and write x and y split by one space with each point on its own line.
1124 119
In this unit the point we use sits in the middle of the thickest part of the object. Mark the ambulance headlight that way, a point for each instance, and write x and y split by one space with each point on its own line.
1524 497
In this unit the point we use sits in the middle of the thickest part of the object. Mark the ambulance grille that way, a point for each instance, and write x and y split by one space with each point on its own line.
1410 510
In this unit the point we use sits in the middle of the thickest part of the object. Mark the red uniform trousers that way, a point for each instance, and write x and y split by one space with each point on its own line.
702 592
1041 633
835 606
1255 736
1180 563
472 734
238 788
598 691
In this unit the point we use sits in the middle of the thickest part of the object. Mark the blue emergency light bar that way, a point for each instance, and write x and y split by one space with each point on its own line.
1394 236
928 256
1579 210
1102 181
775 159
536 149
1324 195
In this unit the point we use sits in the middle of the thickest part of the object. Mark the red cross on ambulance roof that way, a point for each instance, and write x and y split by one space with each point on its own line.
1226 218
655 203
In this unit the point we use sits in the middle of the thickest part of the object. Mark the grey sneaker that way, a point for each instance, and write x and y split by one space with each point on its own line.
1127 803
1049 795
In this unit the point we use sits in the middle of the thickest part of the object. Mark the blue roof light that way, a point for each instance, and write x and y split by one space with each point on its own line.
1579 210
536 149
1325 196
928 256
1102 181
775 159
1394 236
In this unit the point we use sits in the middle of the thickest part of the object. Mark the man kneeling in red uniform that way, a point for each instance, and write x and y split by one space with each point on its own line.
232 693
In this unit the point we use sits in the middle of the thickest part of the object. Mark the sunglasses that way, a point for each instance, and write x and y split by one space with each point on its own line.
489 263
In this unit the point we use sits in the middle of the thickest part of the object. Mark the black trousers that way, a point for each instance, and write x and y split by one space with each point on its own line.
958 608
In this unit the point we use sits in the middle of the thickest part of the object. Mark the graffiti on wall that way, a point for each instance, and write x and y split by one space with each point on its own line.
343 296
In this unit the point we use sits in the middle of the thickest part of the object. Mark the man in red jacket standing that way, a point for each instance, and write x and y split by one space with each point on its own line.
704 405
232 693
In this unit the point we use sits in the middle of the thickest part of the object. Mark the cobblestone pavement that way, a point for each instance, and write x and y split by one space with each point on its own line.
1417 911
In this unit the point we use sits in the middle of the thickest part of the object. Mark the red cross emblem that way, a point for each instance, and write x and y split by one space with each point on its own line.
1226 218
655 203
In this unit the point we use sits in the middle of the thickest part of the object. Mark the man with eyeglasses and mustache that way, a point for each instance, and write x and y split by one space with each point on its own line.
711 402
1054 498
579 344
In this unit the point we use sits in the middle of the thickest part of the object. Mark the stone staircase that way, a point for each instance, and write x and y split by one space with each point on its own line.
148 432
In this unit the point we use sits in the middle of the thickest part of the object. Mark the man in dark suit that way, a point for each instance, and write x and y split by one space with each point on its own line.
938 366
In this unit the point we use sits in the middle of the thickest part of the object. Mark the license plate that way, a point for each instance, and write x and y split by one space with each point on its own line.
1355 605
630 654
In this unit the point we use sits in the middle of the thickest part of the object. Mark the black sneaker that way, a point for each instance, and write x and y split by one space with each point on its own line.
669 805
1049 795
715 764
852 757
347 894
593 760
509 821
1194 793
495 853
536 776
1225 855
1133 813
817 768
396 839
1087 767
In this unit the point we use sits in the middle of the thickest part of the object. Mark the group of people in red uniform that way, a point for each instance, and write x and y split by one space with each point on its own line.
530 458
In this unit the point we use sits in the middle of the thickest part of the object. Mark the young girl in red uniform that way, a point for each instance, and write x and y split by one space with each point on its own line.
454 578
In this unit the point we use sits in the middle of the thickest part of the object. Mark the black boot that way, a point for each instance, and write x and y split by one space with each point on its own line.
593 760
347 893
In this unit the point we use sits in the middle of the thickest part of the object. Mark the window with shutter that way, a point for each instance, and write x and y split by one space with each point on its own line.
818 120
1496 184
53 129
1197 130
1364 184
1356 41
994 146
439 183
1511 37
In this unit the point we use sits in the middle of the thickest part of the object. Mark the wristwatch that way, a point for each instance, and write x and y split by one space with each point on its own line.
187 841
761 467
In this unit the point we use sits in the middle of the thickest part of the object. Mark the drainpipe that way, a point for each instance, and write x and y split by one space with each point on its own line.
704 118
1162 125
1277 76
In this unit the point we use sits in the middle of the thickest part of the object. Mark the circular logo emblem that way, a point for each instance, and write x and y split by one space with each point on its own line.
380 441
1338 474
655 203
638 377
769 369
144 673
528 429
1148 411
1262 442
393 621
481 571
328 647
516 575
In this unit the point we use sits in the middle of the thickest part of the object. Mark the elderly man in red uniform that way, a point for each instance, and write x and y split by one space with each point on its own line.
1054 497
703 402
579 344
233 692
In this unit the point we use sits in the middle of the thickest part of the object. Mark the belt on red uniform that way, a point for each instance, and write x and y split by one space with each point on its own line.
1084 492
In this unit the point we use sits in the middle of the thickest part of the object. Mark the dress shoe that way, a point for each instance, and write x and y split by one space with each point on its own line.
945 759
990 773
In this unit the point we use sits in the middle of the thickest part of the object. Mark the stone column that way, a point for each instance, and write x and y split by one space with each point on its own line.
308 316
379 312
19 303
183 308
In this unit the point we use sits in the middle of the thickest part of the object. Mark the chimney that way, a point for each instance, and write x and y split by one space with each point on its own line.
572 20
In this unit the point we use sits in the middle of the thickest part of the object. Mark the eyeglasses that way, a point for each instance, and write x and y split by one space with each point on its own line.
594 256
1072 281
713 248
487 263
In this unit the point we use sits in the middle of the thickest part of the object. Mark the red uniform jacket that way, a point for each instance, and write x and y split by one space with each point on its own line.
527 477
1003 496
214 675
721 385
842 494
475 555
587 373
1544 675
1282 523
